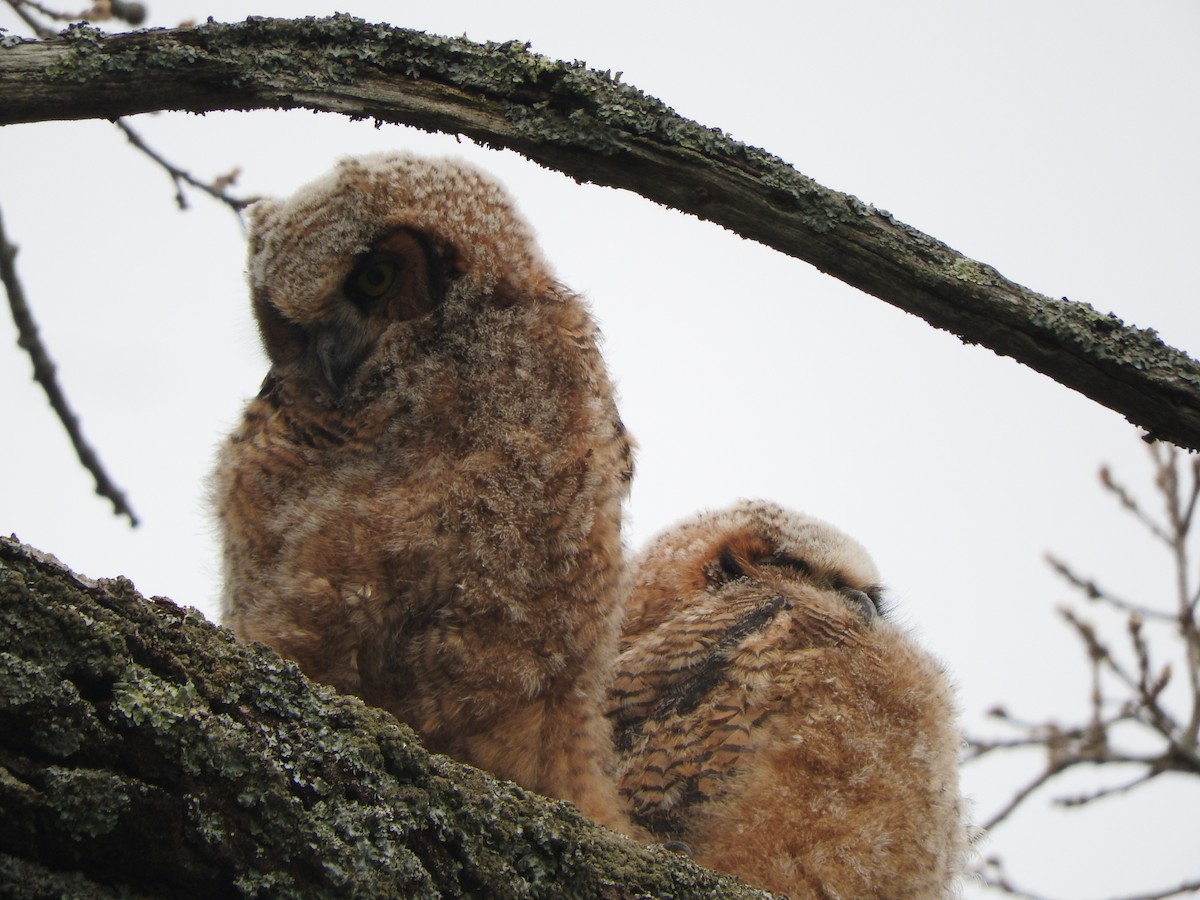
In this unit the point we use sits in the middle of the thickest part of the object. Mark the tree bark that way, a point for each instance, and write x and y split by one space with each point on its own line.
590 126
146 753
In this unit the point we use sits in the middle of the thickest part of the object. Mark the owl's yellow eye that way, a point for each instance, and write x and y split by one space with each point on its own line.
372 279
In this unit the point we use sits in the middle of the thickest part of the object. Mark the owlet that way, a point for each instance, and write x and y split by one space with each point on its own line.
422 506
770 716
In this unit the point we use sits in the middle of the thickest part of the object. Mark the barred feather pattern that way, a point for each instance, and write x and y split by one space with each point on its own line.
769 716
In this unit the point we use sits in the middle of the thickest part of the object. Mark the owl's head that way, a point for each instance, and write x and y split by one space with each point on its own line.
752 541
382 240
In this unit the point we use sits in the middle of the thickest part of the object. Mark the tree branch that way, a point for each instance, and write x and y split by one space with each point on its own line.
995 877
44 374
146 753
1093 591
38 28
588 125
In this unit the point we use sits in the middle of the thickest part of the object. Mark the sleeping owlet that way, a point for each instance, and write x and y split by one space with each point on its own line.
422 506
769 715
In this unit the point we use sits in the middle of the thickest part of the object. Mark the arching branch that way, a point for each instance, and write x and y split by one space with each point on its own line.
590 126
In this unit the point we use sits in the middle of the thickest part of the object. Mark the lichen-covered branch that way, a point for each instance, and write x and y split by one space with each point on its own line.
590 126
146 753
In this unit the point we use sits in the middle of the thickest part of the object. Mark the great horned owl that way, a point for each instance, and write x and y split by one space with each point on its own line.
770 715
422 506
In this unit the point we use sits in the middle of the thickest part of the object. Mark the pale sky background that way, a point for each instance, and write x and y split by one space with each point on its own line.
1056 141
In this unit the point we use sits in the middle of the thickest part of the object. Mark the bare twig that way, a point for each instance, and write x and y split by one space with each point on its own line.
29 339
22 10
216 190
995 877
1127 691
1130 503
133 13
1093 591
1180 512
1024 793
1113 790
44 374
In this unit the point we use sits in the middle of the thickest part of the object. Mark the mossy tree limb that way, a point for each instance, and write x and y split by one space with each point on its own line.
146 753
590 126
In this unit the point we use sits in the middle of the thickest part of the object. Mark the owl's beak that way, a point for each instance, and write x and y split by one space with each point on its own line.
862 604
335 350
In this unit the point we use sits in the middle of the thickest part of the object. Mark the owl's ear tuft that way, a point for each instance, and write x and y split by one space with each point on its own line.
446 264
259 215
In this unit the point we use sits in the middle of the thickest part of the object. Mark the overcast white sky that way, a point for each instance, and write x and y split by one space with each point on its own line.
1056 141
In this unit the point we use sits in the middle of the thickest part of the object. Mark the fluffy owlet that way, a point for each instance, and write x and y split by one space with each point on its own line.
422 506
770 716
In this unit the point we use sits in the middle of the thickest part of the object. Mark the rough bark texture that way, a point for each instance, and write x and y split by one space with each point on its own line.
146 753
590 126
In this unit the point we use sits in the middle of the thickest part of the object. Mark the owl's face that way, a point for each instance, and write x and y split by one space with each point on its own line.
755 544
380 245
401 278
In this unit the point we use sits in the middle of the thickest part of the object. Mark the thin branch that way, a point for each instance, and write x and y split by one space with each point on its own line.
1093 591
1024 793
1111 791
1186 887
216 190
1142 683
1180 505
995 877
22 10
1131 504
1070 749
1169 485
1086 742
1144 706
1190 504
132 13
1180 512
56 15
594 128
44 373
999 881
980 747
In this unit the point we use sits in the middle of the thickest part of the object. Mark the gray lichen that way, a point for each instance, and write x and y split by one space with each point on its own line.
144 751
593 127
86 802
